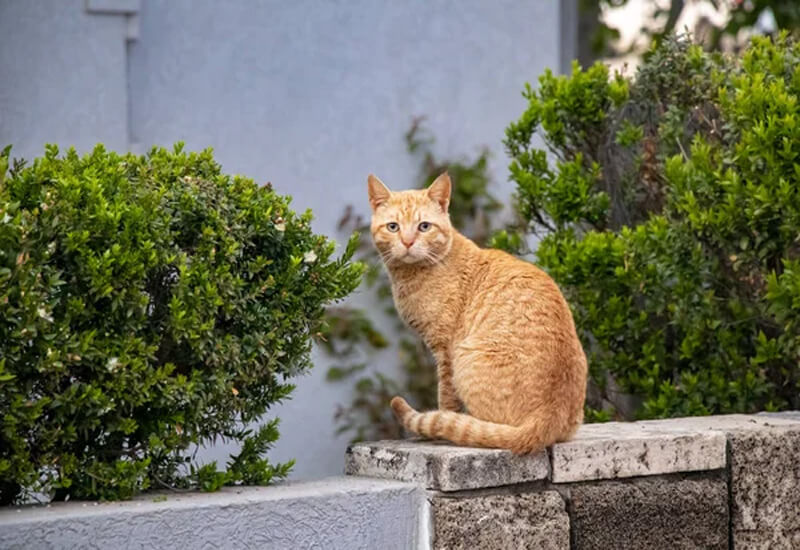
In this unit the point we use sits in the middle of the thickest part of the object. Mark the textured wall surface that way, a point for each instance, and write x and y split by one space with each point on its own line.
765 486
332 514
501 522
311 95
443 467
729 481
657 513
62 77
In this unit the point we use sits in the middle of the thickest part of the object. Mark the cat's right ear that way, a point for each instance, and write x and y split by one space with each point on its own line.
378 192
439 191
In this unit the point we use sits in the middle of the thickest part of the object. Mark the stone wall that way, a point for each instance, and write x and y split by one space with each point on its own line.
714 482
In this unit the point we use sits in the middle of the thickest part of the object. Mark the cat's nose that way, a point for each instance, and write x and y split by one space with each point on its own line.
407 243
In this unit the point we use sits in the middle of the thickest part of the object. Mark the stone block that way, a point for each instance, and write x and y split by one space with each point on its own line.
764 468
765 487
725 423
666 513
501 522
442 466
628 449
793 416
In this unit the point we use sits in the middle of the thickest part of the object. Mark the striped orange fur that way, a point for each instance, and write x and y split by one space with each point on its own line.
512 372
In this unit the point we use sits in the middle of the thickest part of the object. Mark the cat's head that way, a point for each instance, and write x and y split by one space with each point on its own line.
411 227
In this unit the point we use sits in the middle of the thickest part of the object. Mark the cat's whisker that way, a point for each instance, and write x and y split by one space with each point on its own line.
386 257
433 258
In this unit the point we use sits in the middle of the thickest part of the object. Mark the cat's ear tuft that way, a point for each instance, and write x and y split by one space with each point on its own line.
378 192
439 191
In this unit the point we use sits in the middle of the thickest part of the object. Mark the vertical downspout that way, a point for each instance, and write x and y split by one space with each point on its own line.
131 35
129 9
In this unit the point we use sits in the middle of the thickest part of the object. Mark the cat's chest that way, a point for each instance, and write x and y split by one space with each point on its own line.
424 305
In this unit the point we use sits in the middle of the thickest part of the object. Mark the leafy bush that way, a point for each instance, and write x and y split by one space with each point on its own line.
149 305
672 206
352 336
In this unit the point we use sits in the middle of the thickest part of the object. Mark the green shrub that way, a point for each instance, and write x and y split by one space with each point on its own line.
671 203
149 305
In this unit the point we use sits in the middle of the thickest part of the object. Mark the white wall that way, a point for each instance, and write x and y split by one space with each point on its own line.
311 95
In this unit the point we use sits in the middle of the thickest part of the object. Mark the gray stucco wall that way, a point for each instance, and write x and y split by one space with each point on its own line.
62 76
311 95
340 513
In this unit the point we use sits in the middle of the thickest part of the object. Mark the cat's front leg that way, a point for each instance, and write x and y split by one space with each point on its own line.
448 399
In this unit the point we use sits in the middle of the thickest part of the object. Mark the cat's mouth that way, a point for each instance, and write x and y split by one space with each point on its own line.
406 256
415 257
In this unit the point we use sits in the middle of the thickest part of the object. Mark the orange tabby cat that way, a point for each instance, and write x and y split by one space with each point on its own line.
499 328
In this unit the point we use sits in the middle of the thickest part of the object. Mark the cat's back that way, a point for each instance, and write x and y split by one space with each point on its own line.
501 270
509 292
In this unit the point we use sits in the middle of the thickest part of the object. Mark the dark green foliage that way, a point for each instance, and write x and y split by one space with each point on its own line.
149 305
352 336
672 203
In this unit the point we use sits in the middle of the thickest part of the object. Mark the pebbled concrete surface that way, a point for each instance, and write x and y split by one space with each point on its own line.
501 522
651 513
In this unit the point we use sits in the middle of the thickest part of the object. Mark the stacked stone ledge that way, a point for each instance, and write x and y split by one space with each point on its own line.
706 482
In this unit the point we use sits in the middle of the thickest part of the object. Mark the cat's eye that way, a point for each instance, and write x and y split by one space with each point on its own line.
394 227
424 226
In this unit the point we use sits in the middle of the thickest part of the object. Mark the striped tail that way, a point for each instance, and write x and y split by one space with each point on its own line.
469 431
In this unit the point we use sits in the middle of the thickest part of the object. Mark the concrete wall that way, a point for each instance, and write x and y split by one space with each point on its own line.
333 513
310 95
720 482
63 76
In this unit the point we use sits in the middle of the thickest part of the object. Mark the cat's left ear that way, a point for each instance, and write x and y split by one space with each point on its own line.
439 191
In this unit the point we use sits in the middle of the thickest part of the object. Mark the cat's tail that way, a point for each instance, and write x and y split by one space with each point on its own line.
463 429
